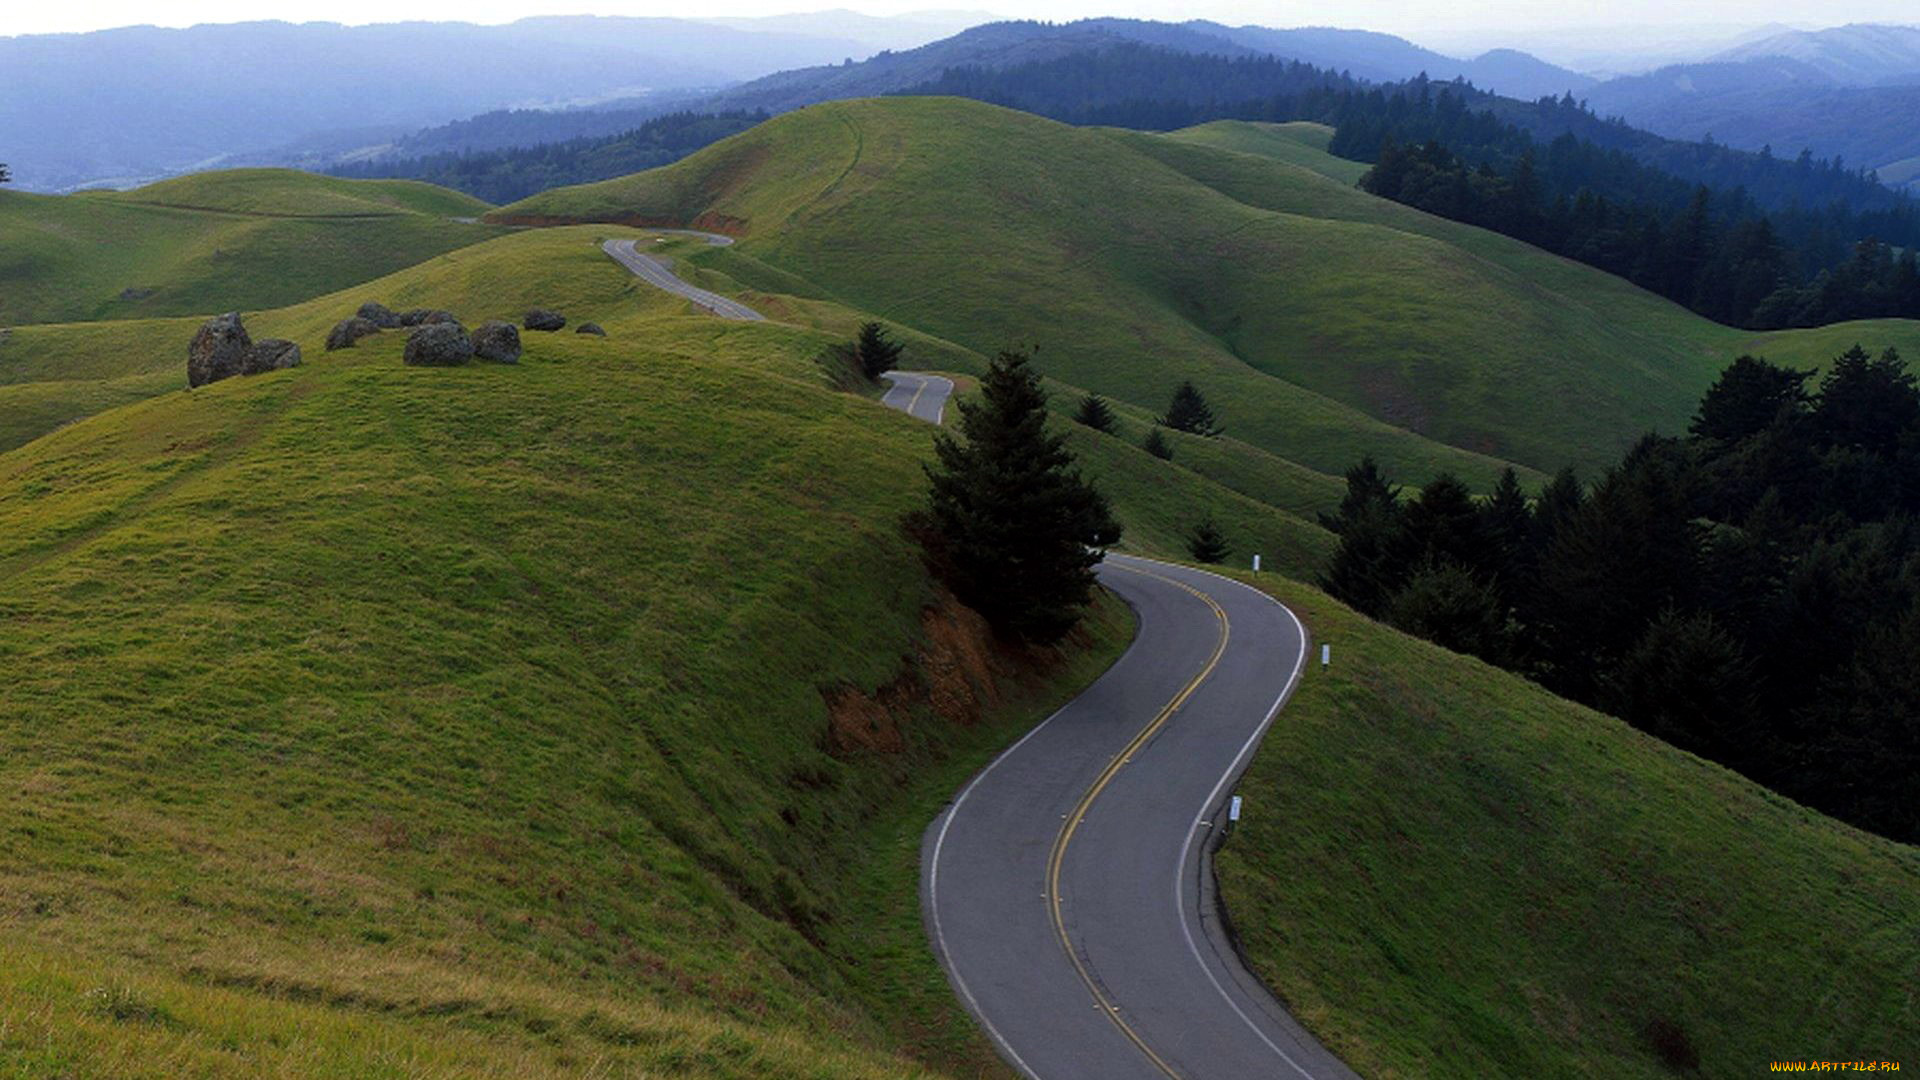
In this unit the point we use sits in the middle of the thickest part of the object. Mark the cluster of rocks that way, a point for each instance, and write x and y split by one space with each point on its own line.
222 349
438 339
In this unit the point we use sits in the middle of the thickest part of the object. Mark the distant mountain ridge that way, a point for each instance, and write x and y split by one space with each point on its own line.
122 106
1850 92
1859 54
1364 54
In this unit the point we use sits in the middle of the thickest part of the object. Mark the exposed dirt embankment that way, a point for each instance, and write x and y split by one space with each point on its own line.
959 672
724 224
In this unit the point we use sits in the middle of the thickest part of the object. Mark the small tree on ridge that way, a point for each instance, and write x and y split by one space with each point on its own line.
876 352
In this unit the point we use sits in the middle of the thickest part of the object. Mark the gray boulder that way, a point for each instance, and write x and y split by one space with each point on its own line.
439 345
542 319
497 341
379 315
271 354
425 317
589 328
347 331
218 351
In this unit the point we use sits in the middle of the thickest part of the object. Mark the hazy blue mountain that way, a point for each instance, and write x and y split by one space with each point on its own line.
1778 102
1000 44
1859 54
135 103
907 31
1364 54
1386 58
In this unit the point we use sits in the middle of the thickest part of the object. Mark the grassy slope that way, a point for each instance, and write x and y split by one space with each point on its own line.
1299 143
517 670
264 238
291 193
1326 322
1446 871
984 226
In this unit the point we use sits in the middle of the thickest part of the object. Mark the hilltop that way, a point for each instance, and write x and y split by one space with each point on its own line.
217 241
1331 322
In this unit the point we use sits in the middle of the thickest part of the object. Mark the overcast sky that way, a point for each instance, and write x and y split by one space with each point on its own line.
1428 19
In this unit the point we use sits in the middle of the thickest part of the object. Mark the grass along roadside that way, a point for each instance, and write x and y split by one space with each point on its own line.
1445 871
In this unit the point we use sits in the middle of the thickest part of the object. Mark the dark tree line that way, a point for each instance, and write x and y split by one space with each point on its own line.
1750 592
504 176
1717 254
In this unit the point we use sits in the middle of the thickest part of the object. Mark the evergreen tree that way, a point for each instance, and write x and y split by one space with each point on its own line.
1095 413
1367 490
1449 606
1011 526
1189 412
877 352
1749 395
5 176
1506 528
1367 567
1206 543
1687 682
1156 444
1867 403
1442 524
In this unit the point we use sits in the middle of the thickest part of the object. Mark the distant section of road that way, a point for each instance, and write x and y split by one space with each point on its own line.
923 397
655 273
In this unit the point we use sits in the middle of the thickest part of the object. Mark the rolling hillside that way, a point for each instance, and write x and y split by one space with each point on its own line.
497 720
216 241
583 715
1446 871
1327 322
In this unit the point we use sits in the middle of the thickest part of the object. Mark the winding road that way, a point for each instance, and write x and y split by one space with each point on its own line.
1067 888
656 273
923 397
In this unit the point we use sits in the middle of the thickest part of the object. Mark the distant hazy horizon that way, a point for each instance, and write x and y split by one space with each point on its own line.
1440 24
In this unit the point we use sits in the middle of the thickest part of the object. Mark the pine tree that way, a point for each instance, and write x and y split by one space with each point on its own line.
1749 395
1011 526
1367 489
1189 412
1095 413
1156 444
877 352
5 176
1207 543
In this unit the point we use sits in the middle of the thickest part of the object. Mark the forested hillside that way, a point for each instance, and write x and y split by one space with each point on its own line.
1749 592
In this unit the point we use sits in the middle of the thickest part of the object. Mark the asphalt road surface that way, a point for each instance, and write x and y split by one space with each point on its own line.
923 397
1067 888
655 273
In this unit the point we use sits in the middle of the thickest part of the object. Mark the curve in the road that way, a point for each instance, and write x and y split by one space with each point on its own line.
1068 889
656 273
923 397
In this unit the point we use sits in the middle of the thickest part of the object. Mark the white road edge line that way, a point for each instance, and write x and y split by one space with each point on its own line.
1233 770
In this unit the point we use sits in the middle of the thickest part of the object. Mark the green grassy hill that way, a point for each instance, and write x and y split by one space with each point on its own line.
1299 143
291 193
1326 322
1446 871
215 242
374 720
583 715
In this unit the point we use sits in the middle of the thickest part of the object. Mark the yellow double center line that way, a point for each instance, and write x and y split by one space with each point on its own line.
1072 824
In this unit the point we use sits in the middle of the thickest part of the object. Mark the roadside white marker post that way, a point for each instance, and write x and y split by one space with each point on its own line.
1256 564
1326 656
1233 809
